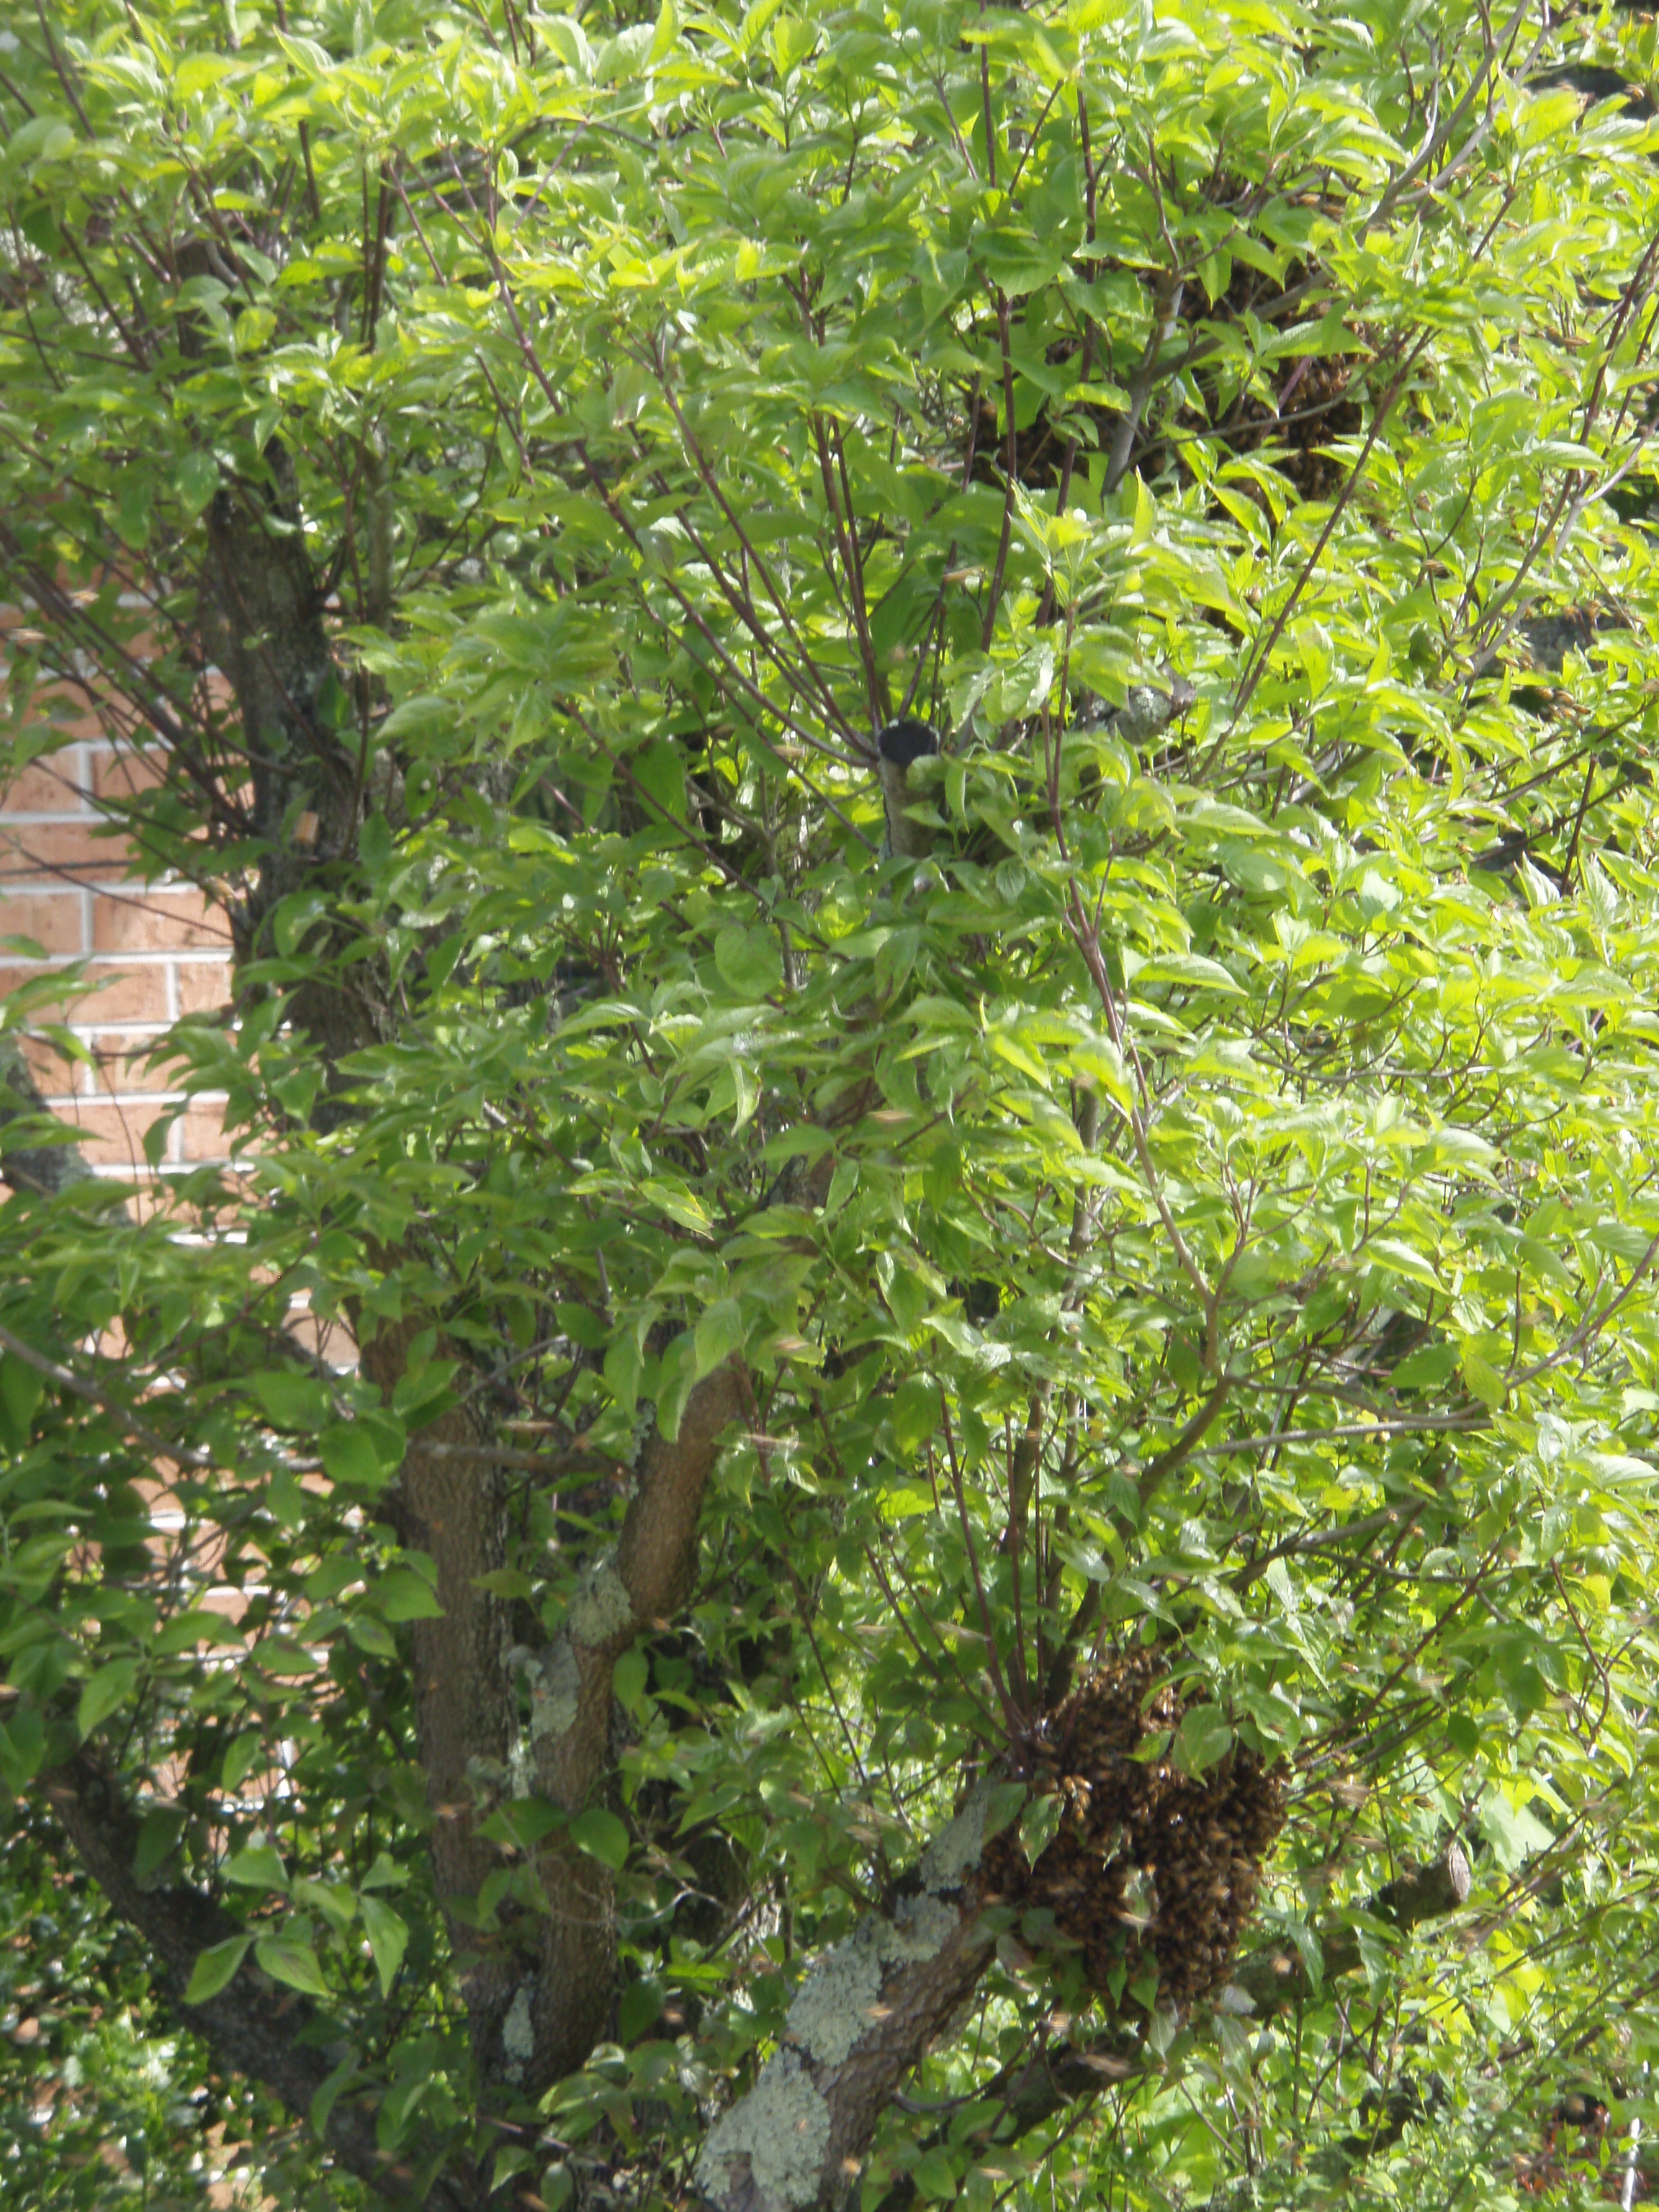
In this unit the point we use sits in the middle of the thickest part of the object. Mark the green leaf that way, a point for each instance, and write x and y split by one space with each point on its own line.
1483 1379
1514 1833
349 1454
197 479
638 2009
242 1758
1203 1737
601 1835
1003 1804
719 1335
288 1959
403 1595
256 1866
108 1689
916 1413
158 1837
935 2177
1040 1824
335 1903
658 772
624 1367
749 961
677 1377
22 1748
371 1634
388 1938
21 1389
629 1678
215 1968
292 1401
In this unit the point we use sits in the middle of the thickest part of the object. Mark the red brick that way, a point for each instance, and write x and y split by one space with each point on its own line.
110 1136
200 1134
131 994
120 775
204 985
126 995
153 922
67 712
55 919
124 1065
143 1203
80 850
46 786
56 1075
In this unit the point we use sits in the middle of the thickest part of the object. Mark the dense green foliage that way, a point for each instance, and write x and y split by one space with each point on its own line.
657 409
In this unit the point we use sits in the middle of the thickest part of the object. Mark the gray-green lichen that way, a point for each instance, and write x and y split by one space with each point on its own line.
956 1850
601 1609
553 1692
832 2006
926 1925
782 2127
521 1768
840 1996
518 2034
490 1779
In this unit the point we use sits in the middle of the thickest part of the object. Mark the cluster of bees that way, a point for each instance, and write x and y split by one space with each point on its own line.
1150 1871
1316 407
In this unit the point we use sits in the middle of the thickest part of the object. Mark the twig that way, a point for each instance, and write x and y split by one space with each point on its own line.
1011 1712
1258 667
1088 943
66 1379
1185 1444
1011 466
1407 1425
1591 1327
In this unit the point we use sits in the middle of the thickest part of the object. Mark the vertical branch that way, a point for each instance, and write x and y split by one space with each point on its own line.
1087 938
985 103
1011 468
1257 668
1166 306
1068 463
879 702
844 530
1010 1712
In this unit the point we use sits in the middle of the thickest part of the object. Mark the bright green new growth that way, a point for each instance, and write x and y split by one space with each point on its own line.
500 470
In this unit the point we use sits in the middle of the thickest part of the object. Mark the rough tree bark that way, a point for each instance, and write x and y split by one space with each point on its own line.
252 2027
539 1991
867 2012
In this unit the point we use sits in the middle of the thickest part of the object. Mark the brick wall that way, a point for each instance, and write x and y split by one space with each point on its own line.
157 952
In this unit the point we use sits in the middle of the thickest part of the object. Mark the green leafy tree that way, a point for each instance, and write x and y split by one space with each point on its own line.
928 1358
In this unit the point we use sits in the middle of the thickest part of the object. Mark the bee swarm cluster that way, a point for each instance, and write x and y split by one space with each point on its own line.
1149 1866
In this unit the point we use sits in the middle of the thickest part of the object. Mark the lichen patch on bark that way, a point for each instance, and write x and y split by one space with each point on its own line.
601 1609
955 1852
518 2033
781 2127
553 1694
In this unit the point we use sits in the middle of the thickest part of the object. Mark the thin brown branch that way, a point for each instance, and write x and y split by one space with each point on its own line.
66 1379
